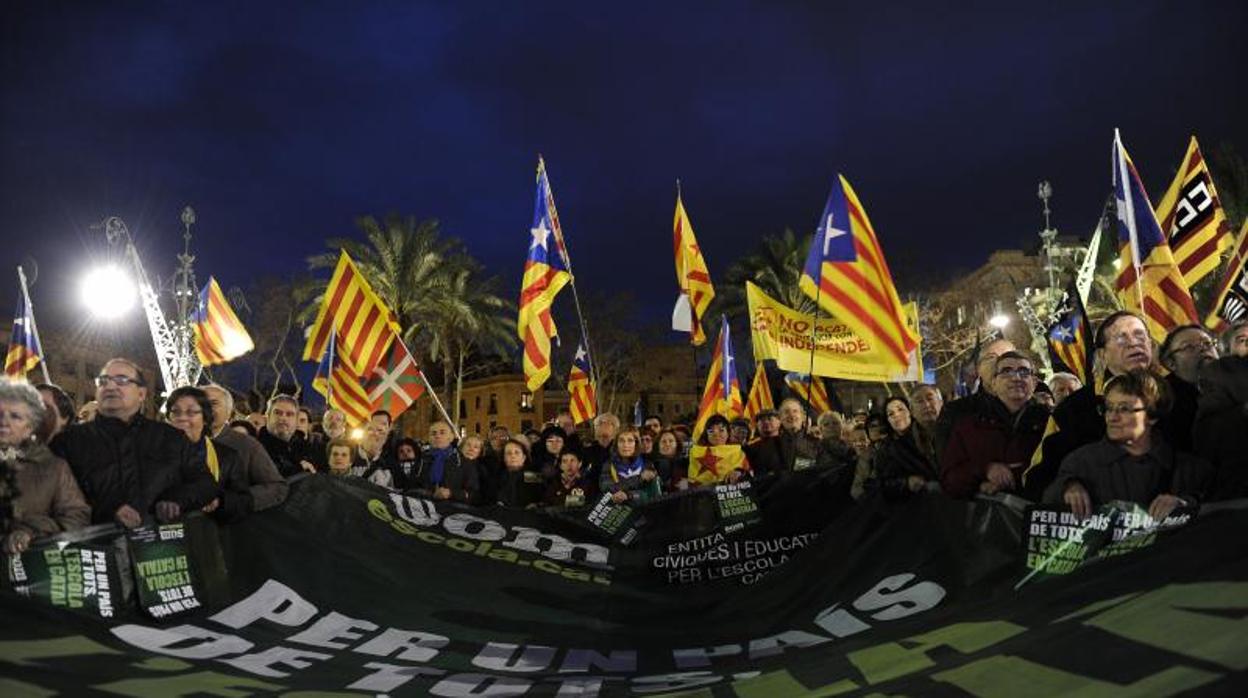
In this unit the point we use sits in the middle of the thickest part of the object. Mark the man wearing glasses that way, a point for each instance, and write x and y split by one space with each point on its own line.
132 468
989 448
1221 427
1185 352
1122 345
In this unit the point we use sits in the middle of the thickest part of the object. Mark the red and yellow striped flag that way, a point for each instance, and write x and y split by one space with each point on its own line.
847 276
691 273
812 390
219 336
1231 300
1191 216
545 274
760 394
364 324
342 389
583 403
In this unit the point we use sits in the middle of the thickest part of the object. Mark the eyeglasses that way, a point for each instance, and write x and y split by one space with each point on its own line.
1109 410
1200 346
185 413
1122 339
119 380
1017 372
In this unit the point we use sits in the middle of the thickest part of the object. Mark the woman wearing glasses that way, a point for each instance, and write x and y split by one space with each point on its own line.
189 409
1133 462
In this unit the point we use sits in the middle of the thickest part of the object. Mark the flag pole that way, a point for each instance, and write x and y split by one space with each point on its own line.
34 329
434 394
814 324
329 377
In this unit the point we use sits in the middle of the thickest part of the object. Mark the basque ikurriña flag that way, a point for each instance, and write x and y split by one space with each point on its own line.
219 335
24 351
583 400
396 382
1070 338
1149 282
847 276
722 393
545 274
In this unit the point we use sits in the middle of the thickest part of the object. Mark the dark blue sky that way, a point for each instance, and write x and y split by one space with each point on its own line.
281 122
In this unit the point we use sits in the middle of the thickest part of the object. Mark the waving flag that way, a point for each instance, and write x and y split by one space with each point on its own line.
1149 282
1069 338
1191 215
722 394
24 351
219 336
342 388
583 401
760 394
1231 304
545 274
691 273
811 389
396 382
847 276
365 327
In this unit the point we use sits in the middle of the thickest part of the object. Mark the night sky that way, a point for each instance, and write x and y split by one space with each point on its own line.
282 122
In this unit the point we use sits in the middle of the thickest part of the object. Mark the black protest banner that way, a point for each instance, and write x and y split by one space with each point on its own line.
1058 542
347 588
162 570
73 573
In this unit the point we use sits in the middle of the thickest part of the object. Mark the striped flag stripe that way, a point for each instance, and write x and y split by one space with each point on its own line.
850 306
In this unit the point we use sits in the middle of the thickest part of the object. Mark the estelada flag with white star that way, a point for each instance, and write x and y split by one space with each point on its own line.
722 393
583 402
545 274
709 465
396 382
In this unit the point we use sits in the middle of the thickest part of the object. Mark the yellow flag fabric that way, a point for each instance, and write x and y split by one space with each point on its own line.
691 272
783 334
1191 217
709 465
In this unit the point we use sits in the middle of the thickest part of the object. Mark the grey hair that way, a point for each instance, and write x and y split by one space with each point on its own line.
24 393
228 398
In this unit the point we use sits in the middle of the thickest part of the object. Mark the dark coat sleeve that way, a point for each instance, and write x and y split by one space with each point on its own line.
234 490
960 474
195 486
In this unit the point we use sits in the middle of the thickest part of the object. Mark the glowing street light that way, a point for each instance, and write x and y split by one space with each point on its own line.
999 321
107 292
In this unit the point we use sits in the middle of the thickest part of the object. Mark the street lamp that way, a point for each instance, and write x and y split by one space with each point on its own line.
999 321
107 292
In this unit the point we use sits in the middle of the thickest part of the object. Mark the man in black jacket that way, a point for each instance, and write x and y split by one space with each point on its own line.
287 448
130 467
1186 350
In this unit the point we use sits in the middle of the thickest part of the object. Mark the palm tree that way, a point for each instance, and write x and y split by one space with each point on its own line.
444 306
776 267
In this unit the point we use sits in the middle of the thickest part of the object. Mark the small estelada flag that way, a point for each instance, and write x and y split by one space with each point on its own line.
219 335
709 465
582 403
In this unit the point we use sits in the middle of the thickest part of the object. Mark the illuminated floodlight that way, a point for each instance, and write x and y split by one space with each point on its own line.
108 292
999 321
357 434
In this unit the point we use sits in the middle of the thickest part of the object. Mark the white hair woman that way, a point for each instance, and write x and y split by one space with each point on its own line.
48 500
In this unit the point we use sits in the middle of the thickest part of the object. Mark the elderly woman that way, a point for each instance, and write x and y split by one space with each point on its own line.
520 485
627 475
48 499
1132 463
906 460
189 409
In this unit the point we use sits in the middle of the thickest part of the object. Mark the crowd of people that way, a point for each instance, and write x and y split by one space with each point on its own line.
1162 427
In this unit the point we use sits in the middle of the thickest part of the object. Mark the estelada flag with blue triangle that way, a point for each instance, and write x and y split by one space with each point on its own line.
1069 337
545 274
219 335
583 401
396 382
24 351
846 275
722 393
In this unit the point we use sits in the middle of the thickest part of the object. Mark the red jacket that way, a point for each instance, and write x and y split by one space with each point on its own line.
989 435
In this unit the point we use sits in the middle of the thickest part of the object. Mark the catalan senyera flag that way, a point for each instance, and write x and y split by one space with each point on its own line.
722 394
1191 215
1069 337
396 382
1231 301
1149 282
848 277
545 274
365 327
24 351
583 400
219 335
343 390
709 465
811 389
691 273
760 394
